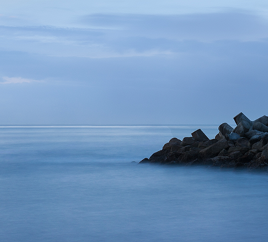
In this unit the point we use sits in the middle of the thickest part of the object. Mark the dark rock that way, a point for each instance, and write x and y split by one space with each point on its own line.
231 143
233 136
242 150
189 155
224 152
252 133
198 135
206 144
173 142
145 160
235 155
259 126
225 129
264 154
256 138
243 142
214 149
265 138
172 157
158 156
187 141
263 120
264 147
219 136
242 128
241 117
247 157
258 145
220 160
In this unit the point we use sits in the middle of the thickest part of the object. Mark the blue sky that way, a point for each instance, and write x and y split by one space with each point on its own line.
132 62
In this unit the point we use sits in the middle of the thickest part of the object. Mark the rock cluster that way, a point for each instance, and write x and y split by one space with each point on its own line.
244 146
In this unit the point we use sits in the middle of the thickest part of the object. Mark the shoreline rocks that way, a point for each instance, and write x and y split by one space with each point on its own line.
244 146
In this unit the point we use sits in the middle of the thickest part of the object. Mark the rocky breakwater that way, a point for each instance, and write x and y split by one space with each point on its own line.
244 146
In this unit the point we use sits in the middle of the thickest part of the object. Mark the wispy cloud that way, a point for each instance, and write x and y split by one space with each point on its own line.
17 80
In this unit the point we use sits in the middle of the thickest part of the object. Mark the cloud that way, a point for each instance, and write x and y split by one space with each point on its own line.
233 25
16 80
132 35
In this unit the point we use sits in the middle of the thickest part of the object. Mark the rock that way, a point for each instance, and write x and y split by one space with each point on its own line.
247 157
259 126
258 145
189 155
264 154
220 160
241 117
263 120
243 142
198 135
219 136
207 143
224 152
252 132
225 129
242 128
172 142
172 157
233 136
256 138
264 147
214 149
242 150
231 143
187 141
158 156
235 155
145 160
265 138
184 148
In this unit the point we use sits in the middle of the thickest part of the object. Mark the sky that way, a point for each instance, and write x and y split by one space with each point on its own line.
126 62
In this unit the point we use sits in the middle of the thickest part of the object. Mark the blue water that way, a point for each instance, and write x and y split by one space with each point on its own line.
80 184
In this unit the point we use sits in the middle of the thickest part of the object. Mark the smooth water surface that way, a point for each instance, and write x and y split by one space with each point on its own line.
80 184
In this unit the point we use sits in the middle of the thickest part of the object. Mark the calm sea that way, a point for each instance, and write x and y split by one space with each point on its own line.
80 184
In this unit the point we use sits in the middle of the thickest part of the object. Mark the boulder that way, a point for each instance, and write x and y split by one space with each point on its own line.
252 132
256 138
225 129
242 128
187 141
247 157
233 136
263 120
145 160
260 127
214 149
198 135
224 152
220 160
241 117
158 156
242 150
207 143
264 154
258 145
235 155
243 142
172 142
189 155
172 157
219 136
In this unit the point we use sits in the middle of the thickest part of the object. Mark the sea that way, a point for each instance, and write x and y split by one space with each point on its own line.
84 184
